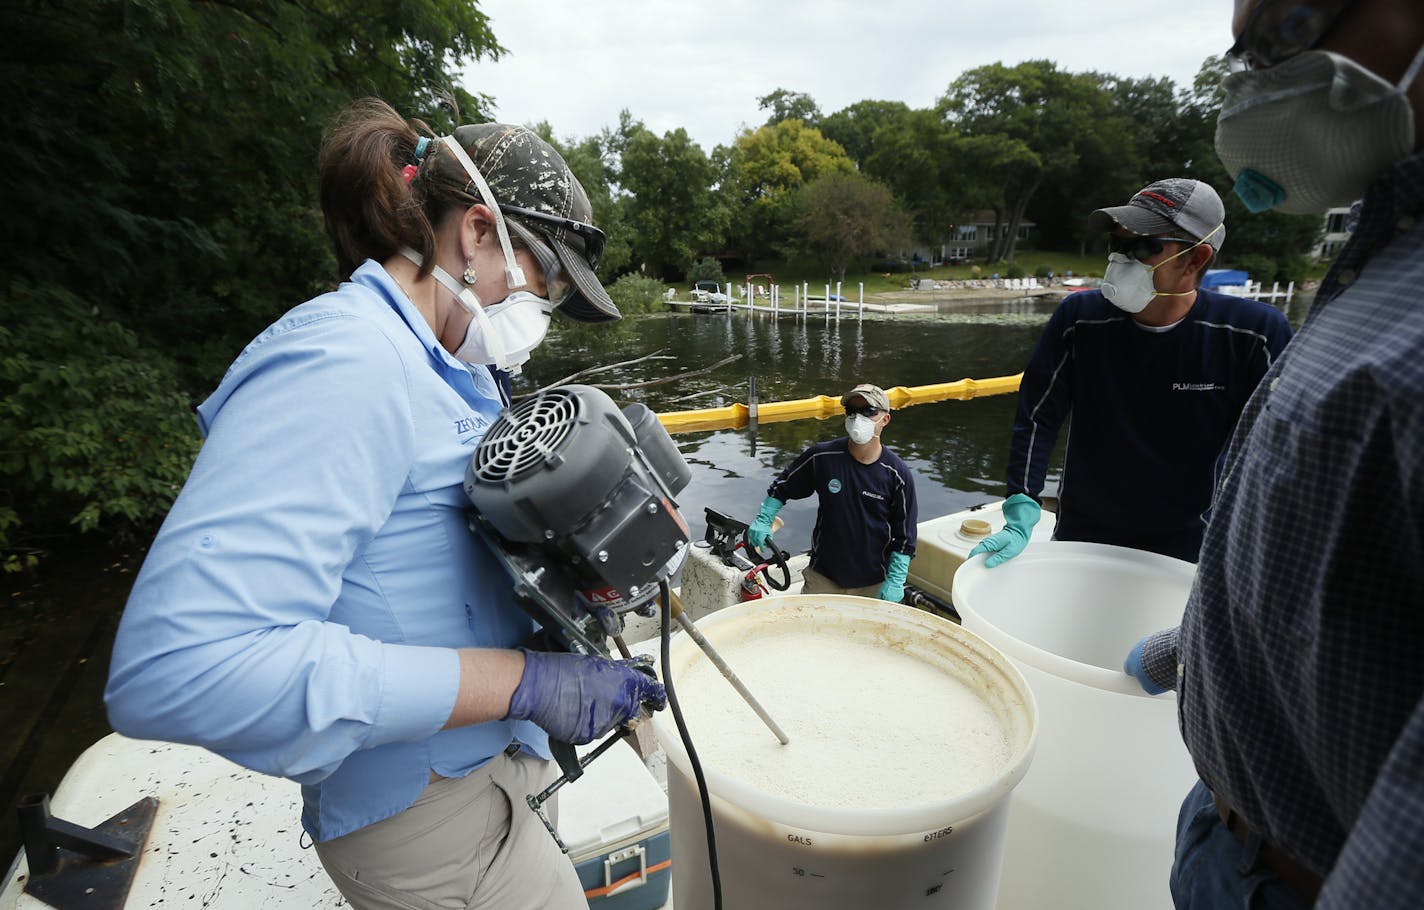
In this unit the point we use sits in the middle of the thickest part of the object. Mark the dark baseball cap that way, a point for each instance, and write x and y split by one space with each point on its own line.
534 187
1176 206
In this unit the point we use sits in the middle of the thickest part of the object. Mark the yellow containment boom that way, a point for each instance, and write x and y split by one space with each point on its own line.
736 416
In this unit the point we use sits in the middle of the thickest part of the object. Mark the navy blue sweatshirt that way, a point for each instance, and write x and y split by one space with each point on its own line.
867 511
1152 411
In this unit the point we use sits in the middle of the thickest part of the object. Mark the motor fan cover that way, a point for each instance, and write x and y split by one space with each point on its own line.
566 470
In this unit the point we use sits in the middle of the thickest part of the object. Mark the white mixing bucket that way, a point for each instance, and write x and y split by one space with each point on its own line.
1093 824
934 850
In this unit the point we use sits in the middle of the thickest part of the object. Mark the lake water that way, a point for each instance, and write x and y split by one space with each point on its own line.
958 449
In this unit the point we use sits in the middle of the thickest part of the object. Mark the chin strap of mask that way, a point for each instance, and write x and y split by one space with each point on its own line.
1210 234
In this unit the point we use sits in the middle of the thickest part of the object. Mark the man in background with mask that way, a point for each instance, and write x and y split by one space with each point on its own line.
1154 372
865 525
1297 665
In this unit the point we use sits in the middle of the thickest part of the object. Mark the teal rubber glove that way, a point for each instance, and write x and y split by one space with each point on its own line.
893 588
1021 513
1133 667
760 531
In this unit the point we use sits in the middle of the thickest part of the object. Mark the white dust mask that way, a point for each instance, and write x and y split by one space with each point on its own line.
1128 284
1312 132
505 333
860 428
502 334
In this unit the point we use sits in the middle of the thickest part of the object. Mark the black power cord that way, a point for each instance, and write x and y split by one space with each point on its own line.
778 559
665 591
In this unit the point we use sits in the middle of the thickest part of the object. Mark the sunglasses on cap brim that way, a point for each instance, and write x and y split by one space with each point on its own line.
1142 248
593 239
864 410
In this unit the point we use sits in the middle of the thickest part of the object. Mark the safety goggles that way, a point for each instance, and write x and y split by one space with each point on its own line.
1142 248
558 287
1280 29
593 239
867 410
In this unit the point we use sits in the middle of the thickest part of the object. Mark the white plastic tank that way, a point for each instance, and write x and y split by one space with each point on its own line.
1093 823
907 734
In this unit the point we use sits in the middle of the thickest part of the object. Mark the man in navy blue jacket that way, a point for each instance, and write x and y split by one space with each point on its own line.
865 526
1154 372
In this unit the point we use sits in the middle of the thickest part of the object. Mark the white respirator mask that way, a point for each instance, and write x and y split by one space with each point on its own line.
860 428
1128 283
1313 131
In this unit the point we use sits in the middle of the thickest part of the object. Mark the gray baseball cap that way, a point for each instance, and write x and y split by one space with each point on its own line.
536 190
1177 205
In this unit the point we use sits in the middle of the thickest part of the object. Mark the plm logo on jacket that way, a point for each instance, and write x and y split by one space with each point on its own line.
834 485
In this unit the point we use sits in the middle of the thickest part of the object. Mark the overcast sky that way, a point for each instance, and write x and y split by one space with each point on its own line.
702 65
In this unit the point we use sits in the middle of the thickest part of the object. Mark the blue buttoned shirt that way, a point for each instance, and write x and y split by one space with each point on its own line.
300 609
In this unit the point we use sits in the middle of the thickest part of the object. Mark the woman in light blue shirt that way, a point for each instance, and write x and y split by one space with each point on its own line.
315 606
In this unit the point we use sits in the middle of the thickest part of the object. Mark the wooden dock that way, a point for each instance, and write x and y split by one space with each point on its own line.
812 307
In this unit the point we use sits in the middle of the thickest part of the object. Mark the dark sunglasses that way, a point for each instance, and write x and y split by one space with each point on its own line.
593 239
1278 30
868 410
1142 248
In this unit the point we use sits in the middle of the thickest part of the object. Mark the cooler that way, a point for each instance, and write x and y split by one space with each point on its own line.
614 820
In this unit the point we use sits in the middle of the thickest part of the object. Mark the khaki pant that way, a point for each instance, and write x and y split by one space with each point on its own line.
814 582
468 843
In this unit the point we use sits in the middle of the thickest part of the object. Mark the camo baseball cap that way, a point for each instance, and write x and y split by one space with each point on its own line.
873 395
1176 205
536 190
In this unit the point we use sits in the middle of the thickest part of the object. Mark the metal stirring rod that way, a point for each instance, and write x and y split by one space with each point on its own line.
681 616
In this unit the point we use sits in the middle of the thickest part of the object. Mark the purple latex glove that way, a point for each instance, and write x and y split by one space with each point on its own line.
576 698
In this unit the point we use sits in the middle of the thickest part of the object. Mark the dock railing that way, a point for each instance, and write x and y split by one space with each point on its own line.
1256 291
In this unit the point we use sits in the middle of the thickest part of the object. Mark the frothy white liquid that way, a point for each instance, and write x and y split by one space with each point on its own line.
870 727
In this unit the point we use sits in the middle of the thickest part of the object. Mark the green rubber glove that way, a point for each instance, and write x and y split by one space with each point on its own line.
1021 513
893 588
760 531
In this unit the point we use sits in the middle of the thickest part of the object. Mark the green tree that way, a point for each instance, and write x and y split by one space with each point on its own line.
764 169
671 211
788 105
1145 144
1049 122
854 127
917 155
842 217
706 269
159 182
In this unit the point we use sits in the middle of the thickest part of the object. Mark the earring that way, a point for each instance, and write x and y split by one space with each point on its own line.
469 276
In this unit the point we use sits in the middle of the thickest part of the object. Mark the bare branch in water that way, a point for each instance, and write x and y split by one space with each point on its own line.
666 379
656 355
